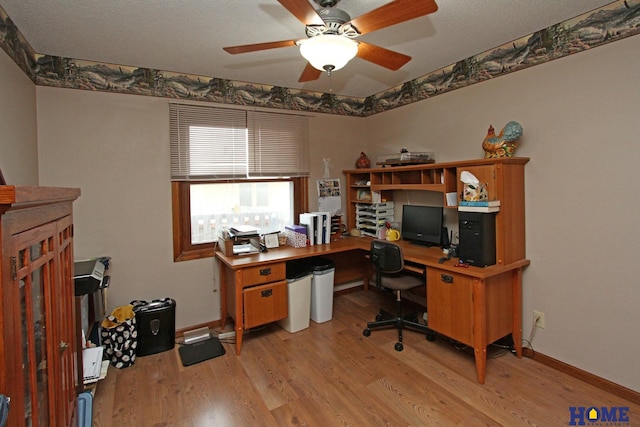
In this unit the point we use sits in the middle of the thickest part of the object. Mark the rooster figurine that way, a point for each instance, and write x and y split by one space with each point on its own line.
504 144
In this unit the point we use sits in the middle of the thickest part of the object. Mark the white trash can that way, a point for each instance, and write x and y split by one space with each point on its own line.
321 288
299 298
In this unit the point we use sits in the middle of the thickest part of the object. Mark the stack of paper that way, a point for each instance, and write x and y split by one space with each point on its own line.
245 248
244 231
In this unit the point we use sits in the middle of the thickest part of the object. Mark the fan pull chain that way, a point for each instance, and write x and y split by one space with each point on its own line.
328 69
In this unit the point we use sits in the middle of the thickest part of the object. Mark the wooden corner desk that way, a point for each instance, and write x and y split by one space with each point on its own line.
475 306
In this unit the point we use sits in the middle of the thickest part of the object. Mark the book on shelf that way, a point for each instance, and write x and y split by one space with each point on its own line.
484 209
491 203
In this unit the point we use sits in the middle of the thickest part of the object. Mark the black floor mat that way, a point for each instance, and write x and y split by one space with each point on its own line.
190 354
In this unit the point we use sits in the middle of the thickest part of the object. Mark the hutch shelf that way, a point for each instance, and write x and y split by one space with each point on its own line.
504 178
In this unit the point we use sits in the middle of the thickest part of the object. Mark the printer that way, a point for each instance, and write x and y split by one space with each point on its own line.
88 276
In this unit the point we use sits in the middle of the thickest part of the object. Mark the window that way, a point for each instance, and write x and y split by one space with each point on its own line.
266 205
232 166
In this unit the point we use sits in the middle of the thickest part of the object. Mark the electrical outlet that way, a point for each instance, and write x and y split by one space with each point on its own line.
538 319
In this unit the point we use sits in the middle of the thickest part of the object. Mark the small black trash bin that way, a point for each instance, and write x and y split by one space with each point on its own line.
156 322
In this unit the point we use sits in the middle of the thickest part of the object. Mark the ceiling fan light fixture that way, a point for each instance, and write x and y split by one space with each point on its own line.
328 51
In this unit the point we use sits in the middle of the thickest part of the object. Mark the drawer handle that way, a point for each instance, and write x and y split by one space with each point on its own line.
446 278
267 293
265 271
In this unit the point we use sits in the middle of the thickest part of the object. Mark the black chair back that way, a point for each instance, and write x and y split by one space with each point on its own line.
386 257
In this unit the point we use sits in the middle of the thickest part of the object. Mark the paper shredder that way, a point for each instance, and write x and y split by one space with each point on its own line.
156 325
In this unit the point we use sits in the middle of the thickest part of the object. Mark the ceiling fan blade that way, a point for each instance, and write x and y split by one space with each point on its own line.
302 10
259 46
381 56
393 13
309 74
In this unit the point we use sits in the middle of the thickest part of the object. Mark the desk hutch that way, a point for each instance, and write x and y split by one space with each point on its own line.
504 178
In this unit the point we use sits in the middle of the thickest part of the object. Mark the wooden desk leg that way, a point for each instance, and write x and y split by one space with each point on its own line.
480 328
222 276
239 317
517 311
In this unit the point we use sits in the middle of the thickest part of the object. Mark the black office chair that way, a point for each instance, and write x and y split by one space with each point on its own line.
388 261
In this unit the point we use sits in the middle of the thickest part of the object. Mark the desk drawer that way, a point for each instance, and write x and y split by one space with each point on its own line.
264 274
265 303
450 304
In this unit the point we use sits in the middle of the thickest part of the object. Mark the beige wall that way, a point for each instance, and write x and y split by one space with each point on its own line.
339 139
581 131
581 127
18 137
116 149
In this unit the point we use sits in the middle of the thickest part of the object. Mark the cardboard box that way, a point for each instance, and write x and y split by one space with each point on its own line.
296 235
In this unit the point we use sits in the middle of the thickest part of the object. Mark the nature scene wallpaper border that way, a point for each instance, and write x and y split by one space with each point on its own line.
607 24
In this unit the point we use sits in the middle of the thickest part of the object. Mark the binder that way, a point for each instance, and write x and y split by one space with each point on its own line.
319 224
325 232
310 221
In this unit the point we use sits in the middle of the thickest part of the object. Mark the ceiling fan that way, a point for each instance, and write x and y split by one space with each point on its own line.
330 43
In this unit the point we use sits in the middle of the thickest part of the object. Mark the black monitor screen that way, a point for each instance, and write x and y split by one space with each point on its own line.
422 224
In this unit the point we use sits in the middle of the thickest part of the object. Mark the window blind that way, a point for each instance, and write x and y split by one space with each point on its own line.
278 144
211 143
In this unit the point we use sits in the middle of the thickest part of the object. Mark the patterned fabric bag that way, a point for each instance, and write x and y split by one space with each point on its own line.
120 336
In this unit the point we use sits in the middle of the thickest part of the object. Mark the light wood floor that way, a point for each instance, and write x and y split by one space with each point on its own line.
331 375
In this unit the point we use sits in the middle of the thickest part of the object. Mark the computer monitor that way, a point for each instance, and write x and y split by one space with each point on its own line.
422 224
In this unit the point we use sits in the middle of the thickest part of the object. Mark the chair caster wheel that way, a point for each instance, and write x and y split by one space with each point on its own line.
398 346
366 332
379 317
431 336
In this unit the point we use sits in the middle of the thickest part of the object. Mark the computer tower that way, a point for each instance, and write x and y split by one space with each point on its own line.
477 231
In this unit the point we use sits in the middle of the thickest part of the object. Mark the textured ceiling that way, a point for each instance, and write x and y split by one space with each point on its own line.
187 36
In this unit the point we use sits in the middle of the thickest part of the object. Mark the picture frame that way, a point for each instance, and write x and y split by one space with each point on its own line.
2 181
364 195
271 240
